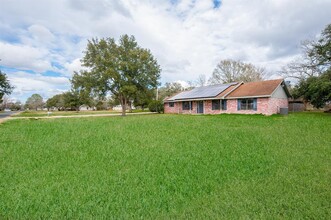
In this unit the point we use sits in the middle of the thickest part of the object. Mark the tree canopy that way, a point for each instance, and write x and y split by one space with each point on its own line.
56 101
170 89
72 100
5 87
121 68
34 102
315 89
313 71
321 49
315 58
229 70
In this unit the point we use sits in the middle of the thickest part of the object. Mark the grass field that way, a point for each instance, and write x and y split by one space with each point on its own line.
64 113
167 166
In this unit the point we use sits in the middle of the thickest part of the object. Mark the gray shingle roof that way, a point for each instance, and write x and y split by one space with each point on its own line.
201 92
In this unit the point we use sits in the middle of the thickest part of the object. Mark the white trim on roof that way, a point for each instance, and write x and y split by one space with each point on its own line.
247 97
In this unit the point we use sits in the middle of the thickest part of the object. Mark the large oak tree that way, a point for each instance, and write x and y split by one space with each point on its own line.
315 58
229 70
122 68
313 70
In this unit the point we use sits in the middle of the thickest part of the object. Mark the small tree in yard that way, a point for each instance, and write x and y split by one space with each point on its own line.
122 69
156 106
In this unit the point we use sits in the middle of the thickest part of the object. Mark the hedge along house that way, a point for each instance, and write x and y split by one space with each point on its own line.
264 97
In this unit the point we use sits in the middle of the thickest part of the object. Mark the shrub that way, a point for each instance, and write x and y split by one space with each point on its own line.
156 106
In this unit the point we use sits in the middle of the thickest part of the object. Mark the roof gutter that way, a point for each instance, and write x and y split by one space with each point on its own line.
246 97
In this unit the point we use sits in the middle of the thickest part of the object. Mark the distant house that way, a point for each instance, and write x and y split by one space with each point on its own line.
86 108
264 97
119 107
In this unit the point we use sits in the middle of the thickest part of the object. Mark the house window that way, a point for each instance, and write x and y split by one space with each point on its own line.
247 104
187 105
215 105
224 104
171 104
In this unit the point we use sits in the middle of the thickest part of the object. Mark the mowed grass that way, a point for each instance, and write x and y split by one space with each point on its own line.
167 166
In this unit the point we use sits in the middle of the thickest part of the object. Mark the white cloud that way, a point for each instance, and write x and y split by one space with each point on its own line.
183 83
41 34
74 66
27 84
187 37
24 57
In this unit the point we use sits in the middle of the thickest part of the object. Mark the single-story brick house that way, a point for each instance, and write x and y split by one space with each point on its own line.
264 97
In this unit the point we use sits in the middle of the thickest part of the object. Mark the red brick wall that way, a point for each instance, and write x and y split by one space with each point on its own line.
275 104
262 107
266 106
171 110
178 109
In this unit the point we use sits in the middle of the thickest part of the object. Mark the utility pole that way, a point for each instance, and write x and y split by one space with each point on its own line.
157 93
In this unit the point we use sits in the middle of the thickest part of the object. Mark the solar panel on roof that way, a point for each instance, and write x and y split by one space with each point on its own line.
202 92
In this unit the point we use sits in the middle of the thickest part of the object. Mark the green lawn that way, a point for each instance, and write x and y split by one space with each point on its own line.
64 113
167 166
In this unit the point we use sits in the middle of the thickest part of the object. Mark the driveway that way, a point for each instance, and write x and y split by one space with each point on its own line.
6 114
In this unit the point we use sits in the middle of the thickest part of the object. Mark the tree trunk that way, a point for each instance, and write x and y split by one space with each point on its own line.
305 104
123 103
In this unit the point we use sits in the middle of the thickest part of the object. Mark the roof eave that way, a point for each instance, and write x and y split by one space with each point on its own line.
247 97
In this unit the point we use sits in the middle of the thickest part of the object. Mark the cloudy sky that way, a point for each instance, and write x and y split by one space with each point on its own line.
41 41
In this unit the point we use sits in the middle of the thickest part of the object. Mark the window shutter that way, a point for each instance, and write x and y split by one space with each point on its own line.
239 104
254 104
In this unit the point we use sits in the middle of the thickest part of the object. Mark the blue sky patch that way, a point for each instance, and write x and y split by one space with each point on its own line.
76 39
217 3
6 37
10 70
173 2
57 65
51 73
